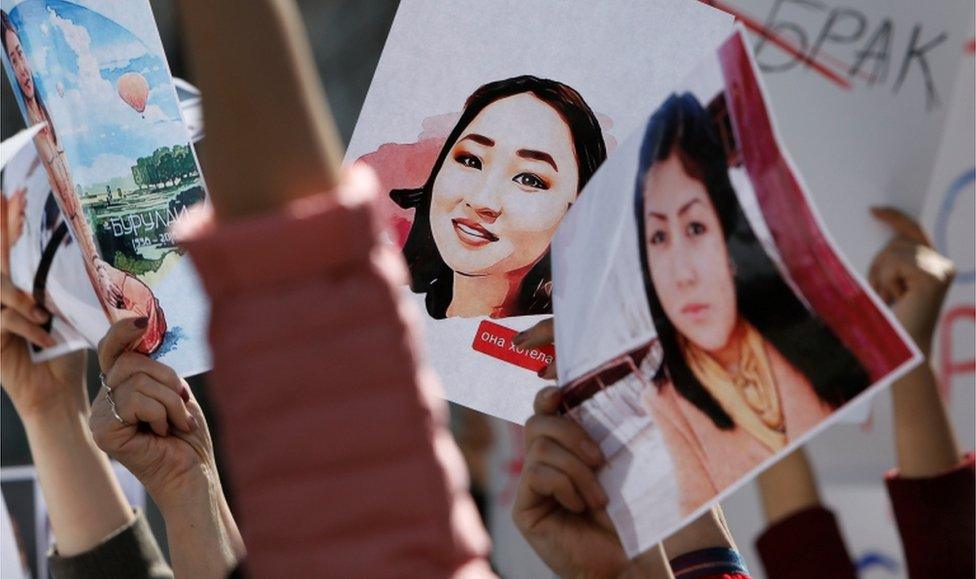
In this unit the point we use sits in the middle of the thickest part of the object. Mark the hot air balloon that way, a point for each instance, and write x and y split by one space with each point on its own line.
134 90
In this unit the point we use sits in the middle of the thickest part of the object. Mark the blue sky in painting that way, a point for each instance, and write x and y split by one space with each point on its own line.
77 55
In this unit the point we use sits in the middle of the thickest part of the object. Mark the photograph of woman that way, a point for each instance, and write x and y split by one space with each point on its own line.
746 368
514 163
120 293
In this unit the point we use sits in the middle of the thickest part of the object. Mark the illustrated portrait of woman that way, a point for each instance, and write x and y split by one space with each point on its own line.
746 367
48 146
512 166
120 293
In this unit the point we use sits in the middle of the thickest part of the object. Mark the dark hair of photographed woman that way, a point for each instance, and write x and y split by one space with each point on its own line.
429 274
682 126
5 25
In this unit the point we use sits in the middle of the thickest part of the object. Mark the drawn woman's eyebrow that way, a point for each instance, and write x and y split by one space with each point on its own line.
537 156
480 139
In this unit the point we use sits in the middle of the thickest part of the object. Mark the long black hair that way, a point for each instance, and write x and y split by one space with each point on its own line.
682 126
5 25
429 274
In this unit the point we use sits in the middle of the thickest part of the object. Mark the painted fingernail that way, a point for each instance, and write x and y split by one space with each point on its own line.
40 314
592 451
141 322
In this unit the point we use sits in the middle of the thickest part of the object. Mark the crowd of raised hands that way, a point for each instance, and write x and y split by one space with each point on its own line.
353 473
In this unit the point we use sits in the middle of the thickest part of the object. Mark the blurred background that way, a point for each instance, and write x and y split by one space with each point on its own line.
347 38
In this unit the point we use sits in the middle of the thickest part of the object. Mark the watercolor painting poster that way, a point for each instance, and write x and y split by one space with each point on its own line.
118 158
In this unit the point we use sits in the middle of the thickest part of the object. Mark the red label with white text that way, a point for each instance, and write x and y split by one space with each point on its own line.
496 341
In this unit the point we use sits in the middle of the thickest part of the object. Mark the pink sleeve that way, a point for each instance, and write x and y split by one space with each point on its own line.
335 433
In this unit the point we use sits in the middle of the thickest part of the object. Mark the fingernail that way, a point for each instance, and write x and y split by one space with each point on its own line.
141 322
542 373
517 338
192 422
40 314
592 451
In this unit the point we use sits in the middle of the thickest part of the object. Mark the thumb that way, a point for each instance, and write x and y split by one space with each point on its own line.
124 335
541 334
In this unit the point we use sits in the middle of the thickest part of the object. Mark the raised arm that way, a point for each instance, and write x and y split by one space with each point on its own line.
913 279
90 516
800 533
932 492
317 376
270 135
146 417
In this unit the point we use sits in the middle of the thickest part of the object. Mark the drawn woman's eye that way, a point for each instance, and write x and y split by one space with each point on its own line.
657 238
468 160
530 180
695 228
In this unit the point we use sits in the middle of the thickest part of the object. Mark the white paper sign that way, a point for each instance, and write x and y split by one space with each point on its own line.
617 57
876 142
705 323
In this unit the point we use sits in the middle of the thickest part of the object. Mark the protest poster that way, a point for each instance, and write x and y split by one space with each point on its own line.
118 158
483 123
717 328
54 270
948 217
869 134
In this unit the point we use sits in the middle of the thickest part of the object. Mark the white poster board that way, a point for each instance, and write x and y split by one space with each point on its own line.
619 56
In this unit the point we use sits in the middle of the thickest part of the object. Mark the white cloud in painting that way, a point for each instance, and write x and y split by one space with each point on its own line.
119 55
38 60
155 114
104 168
90 106
135 19
94 95
89 77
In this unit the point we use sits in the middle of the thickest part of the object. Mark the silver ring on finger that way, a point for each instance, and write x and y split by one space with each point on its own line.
111 401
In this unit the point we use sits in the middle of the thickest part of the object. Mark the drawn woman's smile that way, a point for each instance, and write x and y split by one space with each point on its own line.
472 233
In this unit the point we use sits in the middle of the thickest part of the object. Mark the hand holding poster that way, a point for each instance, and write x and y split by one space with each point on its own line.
118 160
39 256
716 328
